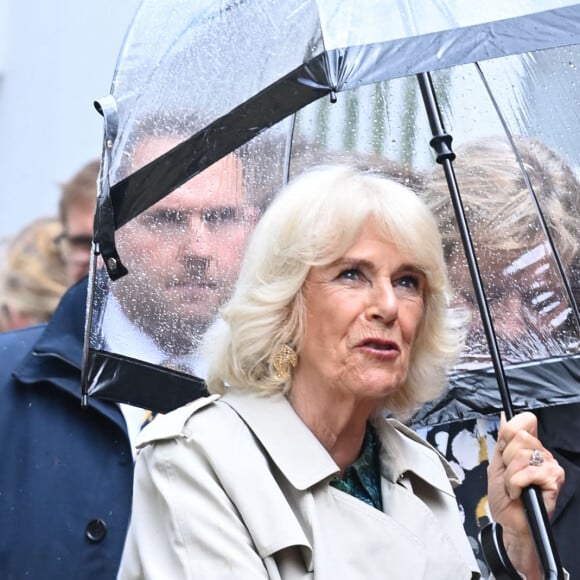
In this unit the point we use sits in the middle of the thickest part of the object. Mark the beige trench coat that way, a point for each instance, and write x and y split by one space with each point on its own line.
237 488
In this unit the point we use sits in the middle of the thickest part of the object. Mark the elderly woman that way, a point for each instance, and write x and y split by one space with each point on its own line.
290 470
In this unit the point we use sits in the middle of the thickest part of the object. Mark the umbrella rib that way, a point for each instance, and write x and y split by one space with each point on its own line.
540 213
441 142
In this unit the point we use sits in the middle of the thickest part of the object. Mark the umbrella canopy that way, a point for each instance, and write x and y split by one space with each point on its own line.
224 99
244 66
214 104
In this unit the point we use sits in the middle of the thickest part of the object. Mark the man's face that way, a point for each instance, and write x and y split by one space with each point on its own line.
76 248
183 254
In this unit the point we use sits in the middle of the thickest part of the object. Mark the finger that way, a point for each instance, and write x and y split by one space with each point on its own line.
521 447
524 422
549 478
527 467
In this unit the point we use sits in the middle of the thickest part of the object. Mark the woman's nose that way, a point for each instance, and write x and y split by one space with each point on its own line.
383 303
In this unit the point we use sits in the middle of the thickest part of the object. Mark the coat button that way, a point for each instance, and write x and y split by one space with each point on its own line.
96 530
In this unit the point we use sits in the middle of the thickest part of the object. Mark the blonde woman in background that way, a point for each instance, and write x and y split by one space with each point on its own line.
33 275
531 314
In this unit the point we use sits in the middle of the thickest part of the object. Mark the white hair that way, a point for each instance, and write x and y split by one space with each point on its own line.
312 222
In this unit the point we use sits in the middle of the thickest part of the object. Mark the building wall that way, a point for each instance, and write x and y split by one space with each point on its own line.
56 58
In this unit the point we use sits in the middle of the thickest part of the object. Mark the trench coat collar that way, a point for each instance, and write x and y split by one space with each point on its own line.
295 450
404 451
305 462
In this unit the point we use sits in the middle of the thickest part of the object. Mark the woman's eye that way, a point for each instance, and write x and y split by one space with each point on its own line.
350 274
410 281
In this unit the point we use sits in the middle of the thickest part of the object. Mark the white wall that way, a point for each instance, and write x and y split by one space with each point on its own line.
56 58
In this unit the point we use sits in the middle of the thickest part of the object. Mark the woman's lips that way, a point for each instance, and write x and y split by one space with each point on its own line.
380 347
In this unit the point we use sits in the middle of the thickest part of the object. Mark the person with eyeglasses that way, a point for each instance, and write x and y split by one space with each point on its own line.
67 471
76 211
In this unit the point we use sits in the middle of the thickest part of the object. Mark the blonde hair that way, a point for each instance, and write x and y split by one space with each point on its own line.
312 222
494 190
33 278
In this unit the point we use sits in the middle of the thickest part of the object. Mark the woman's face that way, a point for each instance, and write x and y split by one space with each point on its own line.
362 316
525 299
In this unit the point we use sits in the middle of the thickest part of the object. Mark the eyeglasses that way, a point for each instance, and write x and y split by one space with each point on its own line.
80 242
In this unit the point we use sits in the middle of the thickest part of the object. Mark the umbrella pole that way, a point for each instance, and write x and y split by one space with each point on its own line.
531 497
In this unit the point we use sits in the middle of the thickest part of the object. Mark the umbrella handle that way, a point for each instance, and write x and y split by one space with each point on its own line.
491 540
541 531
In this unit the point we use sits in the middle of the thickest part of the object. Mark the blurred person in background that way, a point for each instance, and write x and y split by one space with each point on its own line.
33 275
4 245
66 477
530 311
77 204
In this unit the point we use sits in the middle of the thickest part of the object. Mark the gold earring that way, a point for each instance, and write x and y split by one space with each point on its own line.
284 358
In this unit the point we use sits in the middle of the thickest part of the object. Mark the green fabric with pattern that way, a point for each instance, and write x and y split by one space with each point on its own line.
363 478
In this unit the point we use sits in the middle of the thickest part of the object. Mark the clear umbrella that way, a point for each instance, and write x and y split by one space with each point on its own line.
224 74
232 98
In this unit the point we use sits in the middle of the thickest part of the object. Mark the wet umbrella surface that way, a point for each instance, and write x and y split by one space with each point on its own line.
214 105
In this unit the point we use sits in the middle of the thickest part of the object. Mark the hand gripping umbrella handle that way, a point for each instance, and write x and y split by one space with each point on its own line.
496 556
531 497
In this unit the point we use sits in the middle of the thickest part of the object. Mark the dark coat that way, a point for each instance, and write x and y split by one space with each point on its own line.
66 471
559 431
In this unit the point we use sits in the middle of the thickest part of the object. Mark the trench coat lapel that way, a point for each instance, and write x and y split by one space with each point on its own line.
405 459
301 458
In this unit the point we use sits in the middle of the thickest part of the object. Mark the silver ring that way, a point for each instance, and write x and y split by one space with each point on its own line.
537 458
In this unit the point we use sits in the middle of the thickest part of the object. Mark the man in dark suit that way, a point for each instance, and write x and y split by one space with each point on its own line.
66 476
